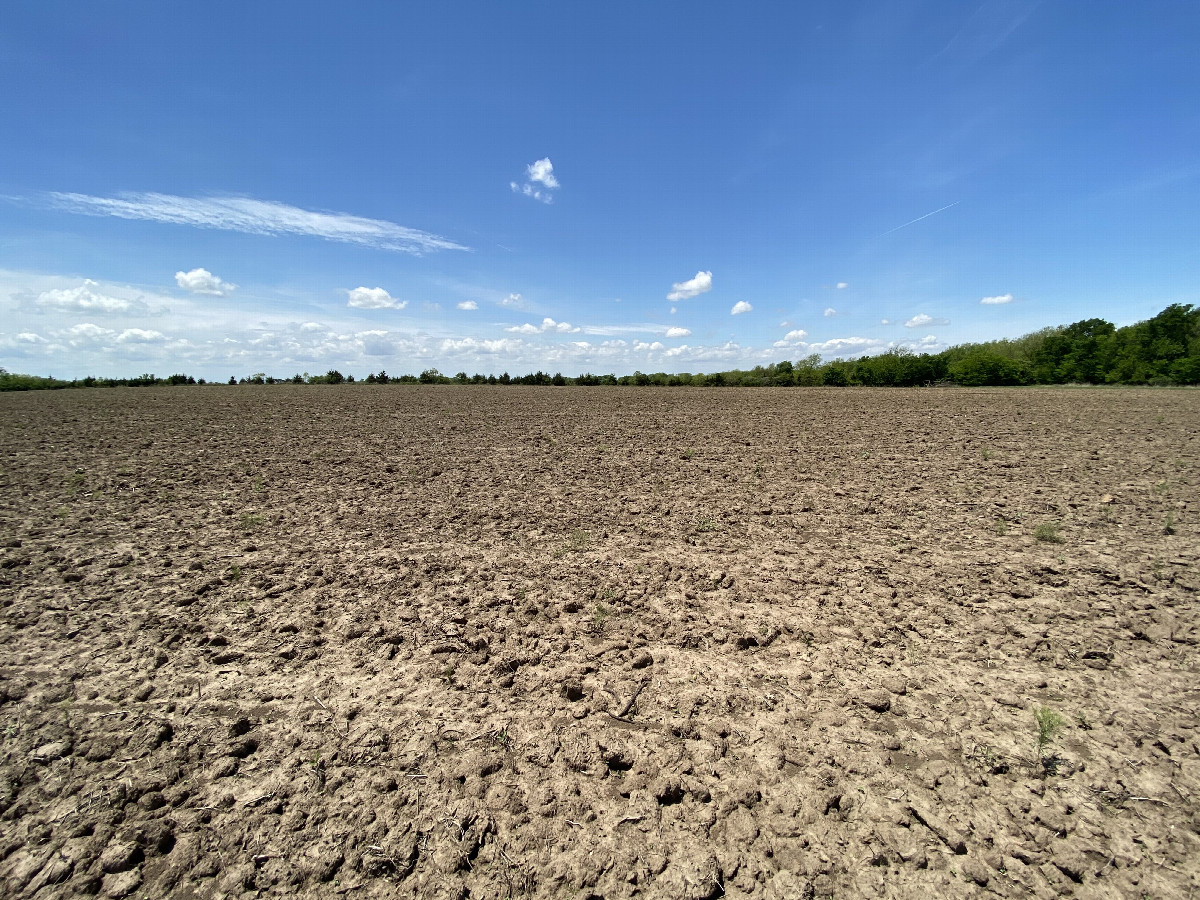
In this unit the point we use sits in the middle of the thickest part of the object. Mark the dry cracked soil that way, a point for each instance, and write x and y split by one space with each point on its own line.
382 641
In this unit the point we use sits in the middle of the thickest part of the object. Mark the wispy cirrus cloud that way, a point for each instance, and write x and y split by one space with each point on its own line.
250 216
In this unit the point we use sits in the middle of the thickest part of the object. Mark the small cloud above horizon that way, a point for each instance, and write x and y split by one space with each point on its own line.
677 332
202 281
548 326
842 285
922 321
996 301
538 172
468 304
792 338
85 298
829 311
741 307
685 290
373 298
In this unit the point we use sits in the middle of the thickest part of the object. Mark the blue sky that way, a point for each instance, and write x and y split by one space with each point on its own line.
229 188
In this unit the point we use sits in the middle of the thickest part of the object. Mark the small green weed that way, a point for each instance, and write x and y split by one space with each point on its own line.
688 453
1169 524
235 572
1048 532
706 523
1001 527
250 522
600 615
578 542
986 453
1048 724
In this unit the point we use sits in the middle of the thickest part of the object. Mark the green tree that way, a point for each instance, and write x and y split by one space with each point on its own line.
985 367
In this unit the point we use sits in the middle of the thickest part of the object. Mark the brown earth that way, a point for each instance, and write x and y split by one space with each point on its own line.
398 641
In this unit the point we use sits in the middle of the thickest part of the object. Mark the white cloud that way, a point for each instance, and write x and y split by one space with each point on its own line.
513 301
674 310
885 321
996 301
740 307
643 347
473 345
792 338
140 336
548 325
468 304
921 320
249 216
83 298
693 287
842 285
313 326
89 330
29 337
676 332
830 311
845 346
202 281
530 191
542 171
373 298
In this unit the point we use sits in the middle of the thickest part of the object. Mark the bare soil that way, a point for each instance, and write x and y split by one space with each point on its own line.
486 642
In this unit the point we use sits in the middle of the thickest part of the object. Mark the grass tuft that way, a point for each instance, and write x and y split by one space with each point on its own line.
1048 532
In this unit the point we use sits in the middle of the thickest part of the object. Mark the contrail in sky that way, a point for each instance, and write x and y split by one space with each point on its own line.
919 218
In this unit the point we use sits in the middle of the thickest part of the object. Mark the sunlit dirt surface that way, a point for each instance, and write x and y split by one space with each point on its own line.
385 641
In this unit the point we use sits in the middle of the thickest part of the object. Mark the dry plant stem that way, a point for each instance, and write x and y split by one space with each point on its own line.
641 685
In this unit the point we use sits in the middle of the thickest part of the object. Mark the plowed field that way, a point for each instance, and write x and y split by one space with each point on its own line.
386 641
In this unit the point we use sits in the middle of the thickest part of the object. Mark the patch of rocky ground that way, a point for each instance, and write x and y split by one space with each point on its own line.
378 641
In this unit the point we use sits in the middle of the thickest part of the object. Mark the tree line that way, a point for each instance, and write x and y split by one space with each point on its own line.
1164 350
